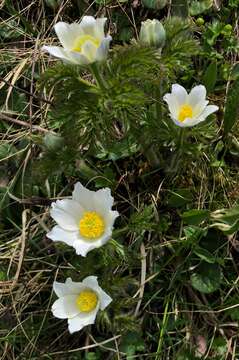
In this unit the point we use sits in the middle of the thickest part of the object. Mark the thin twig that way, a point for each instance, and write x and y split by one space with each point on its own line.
24 123
26 92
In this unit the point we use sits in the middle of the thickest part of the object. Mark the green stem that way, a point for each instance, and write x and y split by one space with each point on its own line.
181 139
158 107
178 155
149 153
97 75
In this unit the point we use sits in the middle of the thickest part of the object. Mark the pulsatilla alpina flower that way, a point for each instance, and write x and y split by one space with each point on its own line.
188 109
79 302
85 221
82 43
152 33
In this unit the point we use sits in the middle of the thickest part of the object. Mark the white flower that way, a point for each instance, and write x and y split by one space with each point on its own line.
79 302
85 221
82 43
188 109
152 33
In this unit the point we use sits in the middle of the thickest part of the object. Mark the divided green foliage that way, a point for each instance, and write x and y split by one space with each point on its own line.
180 8
94 118
120 116
231 107
210 76
198 7
180 45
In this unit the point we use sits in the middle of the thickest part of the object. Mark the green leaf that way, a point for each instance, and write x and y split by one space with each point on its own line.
54 4
126 34
180 8
204 255
231 107
53 142
180 197
226 220
220 347
195 217
213 240
210 76
207 279
194 234
234 72
154 4
198 7
132 343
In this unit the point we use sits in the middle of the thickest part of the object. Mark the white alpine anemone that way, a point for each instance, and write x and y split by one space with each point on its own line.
85 221
152 33
83 43
79 302
188 109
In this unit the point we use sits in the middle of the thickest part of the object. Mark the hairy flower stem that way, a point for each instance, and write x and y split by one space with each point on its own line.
97 76
149 153
181 139
177 157
158 107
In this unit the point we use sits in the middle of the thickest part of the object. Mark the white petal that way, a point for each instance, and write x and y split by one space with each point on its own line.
110 219
87 24
65 307
73 287
78 322
83 246
208 111
59 234
58 52
67 213
92 283
102 51
89 50
60 289
67 33
178 123
172 104
186 123
105 300
77 58
83 196
180 94
100 28
197 94
197 99
103 201
68 288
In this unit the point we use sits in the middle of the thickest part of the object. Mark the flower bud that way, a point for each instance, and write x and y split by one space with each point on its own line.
152 33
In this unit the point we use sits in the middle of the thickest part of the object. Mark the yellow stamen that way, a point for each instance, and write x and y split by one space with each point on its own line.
80 41
87 301
185 112
91 225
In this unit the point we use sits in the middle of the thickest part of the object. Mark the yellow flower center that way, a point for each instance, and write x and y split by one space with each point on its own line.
185 112
87 301
92 225
80 41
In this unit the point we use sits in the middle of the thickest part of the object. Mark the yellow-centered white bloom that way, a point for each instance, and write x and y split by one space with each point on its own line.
79 302
85 221
83 43
188 109
152 33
